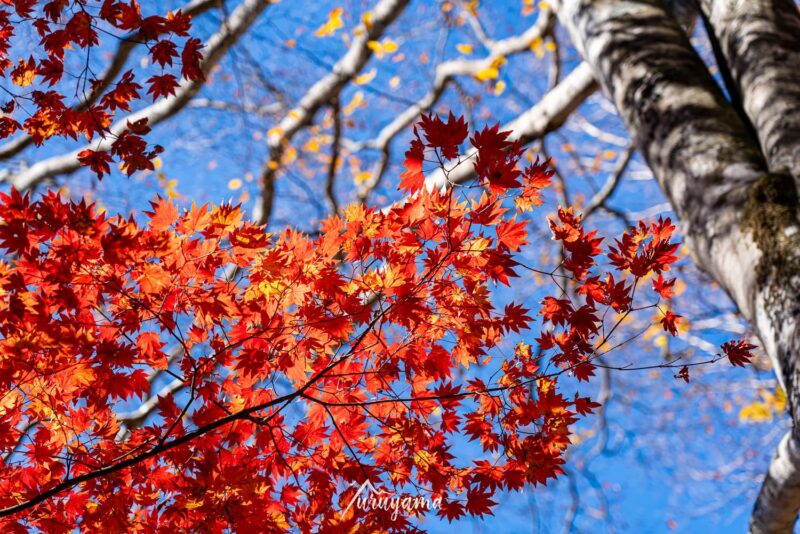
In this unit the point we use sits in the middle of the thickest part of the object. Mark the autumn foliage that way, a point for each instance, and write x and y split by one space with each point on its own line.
302 365
37 107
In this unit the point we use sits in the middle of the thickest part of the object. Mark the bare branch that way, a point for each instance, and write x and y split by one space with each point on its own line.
599 199
321 93
135 419
335 145
252 109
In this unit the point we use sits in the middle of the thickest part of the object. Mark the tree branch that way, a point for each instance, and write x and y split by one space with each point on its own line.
547 115
218 44
740 221
760 39
321 93
124 49
444 74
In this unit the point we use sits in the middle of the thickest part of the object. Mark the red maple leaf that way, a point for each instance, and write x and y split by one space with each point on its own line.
444 136
191 58
739 352
163 52
412 179
670 322
664 287
163 85
98 161
511 234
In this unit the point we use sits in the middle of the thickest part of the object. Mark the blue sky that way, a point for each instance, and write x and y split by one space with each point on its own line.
676 457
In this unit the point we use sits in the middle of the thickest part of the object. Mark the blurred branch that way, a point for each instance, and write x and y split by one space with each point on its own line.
207 103
335 146
599 199
135 418
321 93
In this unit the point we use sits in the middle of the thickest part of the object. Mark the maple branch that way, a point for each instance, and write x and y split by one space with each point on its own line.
230 31
165 446
319 94
126 45
244 414
444 75
599 134
324 91
544 117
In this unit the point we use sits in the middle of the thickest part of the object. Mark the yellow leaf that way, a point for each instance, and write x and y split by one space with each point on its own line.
387 46
194 504
471 6
464 48
779 400
311 146
24 73
273 287
362 177
171 189
356 101
537 45
366 77
757 412
289 155
527 7
492 71
489 73
423 458
390 46
334 23
234 184
499 88
366 18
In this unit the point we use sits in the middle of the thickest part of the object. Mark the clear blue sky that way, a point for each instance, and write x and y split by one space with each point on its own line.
670 456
